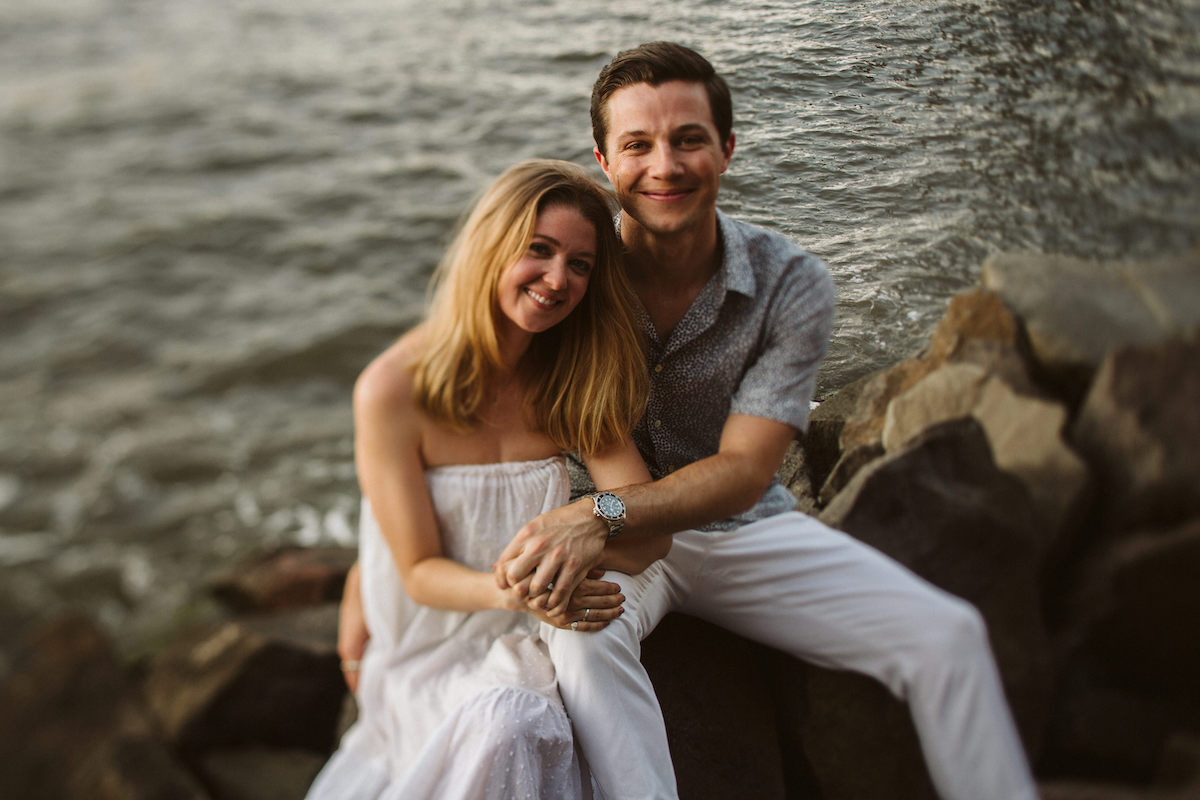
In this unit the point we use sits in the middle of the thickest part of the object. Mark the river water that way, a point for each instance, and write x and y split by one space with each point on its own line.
212 215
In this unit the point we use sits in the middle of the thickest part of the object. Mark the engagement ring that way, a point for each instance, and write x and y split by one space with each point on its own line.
575 625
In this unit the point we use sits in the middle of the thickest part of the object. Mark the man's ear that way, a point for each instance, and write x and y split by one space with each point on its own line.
727 151
602 161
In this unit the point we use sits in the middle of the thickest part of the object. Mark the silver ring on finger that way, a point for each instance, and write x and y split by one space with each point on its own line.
575 625
586 612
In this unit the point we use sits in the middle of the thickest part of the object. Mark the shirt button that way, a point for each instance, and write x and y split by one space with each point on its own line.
658 423
658 367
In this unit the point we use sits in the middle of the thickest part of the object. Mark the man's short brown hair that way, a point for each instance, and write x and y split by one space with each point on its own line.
656 63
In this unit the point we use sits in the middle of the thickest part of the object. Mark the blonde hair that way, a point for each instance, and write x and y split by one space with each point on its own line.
586 377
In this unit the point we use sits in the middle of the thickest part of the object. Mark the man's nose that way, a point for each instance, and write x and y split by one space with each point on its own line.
666 161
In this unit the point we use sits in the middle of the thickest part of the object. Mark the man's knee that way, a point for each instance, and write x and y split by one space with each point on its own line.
617 640
954 634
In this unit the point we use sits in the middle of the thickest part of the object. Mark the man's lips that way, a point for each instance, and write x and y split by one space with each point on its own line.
665 194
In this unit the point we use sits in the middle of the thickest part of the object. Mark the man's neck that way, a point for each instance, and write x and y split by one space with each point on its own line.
668 272
679 261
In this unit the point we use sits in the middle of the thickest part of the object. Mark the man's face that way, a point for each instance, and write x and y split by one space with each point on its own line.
664 156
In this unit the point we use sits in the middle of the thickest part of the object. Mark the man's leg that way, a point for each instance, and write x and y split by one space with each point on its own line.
607 692
793 583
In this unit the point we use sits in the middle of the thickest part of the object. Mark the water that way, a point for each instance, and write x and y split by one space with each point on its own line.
212 214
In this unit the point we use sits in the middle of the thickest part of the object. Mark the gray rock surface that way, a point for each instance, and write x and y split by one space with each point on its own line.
1075 311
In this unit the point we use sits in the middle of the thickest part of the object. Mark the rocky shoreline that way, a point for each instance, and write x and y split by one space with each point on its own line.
1040 458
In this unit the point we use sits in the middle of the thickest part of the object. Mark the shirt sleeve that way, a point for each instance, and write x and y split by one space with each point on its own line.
779 383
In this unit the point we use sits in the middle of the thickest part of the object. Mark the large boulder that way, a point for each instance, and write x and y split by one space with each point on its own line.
977 329
269 680
287 577
1139 426
259 773
1137 612
1025 433
941 507
73 726
720 716
1075 311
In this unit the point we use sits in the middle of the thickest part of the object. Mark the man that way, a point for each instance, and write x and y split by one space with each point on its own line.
737 320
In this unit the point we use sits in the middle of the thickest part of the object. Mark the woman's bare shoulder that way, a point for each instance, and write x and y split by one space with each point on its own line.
387 382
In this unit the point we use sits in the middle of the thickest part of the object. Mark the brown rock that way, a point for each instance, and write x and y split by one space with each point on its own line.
822 439
258 773
720 718
73 727
942 508
1140 428
861 740
1145 609
1025 434
288 577
976 329
268 680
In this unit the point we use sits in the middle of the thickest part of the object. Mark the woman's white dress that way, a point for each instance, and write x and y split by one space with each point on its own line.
452 704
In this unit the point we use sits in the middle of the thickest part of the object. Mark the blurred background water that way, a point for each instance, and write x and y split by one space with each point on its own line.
213 214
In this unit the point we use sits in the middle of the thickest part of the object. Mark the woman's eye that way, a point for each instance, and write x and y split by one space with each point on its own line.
539 249
581 266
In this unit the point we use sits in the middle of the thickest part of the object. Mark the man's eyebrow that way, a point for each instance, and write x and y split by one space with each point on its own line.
689 127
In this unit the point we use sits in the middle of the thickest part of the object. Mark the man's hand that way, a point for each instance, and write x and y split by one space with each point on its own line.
559 547
352 628
591 608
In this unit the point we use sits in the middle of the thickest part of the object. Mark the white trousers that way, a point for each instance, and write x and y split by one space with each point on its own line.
795 584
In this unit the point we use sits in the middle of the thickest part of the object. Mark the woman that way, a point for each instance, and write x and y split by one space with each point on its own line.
529 350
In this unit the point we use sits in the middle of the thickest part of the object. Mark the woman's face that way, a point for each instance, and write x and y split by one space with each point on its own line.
543 286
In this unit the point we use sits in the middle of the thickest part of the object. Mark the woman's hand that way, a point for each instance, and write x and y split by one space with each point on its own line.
592 607
352 628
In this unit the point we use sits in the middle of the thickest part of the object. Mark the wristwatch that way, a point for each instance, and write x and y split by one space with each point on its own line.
610 508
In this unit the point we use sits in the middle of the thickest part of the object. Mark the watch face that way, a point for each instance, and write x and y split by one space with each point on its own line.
611 506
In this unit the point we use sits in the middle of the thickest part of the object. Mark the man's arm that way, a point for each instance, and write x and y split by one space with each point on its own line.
558 547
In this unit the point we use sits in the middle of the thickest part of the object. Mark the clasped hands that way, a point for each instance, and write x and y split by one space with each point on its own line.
551 568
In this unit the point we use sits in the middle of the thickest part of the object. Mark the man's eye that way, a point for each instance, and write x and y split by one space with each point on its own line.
635 146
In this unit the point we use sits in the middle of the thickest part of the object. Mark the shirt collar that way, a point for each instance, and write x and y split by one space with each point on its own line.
735 262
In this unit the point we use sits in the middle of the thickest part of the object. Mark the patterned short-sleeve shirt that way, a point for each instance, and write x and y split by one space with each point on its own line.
750 344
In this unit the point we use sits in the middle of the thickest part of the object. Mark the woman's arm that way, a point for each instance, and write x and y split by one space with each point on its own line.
391 473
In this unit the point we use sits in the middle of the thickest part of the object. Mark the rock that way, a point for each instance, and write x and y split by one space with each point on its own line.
793 474
1143 607
1075 311
1139 426
847 467
822 438
73 726
1101 730
258 773
941 507
720 718
861 740
270 681
1025 434
288 577
977 329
